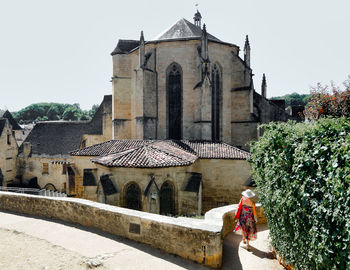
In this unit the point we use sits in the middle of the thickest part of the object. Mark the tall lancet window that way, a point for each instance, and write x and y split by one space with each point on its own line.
174 101
216 102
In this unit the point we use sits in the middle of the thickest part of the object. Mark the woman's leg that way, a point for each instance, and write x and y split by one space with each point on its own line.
243 236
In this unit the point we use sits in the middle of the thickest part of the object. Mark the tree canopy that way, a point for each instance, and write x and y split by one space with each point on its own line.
294 99
53 111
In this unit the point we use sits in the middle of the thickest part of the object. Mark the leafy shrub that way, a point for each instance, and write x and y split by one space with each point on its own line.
302 173
328 101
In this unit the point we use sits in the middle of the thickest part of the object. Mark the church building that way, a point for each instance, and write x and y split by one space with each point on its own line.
184 109
172 138
187 84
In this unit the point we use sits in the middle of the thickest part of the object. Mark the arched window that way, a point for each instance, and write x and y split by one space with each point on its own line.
216 94
133 197
174 101
167 199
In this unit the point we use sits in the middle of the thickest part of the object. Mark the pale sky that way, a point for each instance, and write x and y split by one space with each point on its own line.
59 51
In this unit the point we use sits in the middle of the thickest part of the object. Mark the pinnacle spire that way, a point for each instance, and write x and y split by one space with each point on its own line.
142 39
246 45
263 86
247 51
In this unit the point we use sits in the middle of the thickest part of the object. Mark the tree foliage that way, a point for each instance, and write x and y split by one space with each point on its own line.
328 101
53 111
294 99
302 173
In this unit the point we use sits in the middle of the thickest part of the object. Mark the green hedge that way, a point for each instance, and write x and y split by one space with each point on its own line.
302 171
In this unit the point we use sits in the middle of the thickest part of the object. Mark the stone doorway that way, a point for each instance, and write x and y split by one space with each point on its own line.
133 197
167 199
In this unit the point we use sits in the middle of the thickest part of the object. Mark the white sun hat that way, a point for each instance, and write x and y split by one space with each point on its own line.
248 193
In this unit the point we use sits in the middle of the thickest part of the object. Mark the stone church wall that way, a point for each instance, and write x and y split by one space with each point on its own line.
223 181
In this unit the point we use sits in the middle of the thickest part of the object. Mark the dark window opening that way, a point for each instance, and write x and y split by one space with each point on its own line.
133 197
216 103
107 185
89 178
71 180
8 139
174 91
167 202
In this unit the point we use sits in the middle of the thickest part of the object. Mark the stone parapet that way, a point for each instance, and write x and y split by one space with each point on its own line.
193 239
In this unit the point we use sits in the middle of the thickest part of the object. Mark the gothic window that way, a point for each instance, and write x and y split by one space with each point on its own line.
216 94
167 202
133 197
174 101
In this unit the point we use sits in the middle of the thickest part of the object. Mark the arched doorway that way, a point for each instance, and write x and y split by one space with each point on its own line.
174 101
133 197
167 199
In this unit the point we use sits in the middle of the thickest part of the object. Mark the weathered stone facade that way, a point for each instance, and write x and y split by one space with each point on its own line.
215 175
215 97
8 153
44 155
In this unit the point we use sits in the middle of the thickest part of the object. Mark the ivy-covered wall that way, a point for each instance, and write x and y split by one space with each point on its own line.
302 173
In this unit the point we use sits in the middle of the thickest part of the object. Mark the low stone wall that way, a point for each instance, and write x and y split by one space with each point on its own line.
196 240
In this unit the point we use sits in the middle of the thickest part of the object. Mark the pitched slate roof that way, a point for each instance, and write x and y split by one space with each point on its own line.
183 29
125 46
60 137
158 153
13 122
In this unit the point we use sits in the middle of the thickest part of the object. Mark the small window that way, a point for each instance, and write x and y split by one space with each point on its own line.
8 139
45 168
89 177
64 168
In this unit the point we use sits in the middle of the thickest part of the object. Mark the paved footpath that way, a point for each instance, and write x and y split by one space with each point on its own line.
36 243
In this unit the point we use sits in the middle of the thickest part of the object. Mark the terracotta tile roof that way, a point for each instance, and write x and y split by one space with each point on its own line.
152 155
158 153
216 150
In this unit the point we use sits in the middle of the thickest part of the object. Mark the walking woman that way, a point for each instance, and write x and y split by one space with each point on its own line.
246 215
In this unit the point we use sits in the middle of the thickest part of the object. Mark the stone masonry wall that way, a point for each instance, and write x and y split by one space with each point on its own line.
192 239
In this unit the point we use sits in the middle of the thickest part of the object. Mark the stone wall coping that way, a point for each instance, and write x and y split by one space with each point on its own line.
200 224
216 216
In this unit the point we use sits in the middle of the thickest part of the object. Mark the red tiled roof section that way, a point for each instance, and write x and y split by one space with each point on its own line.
216 150
152 155
158 153
109 147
